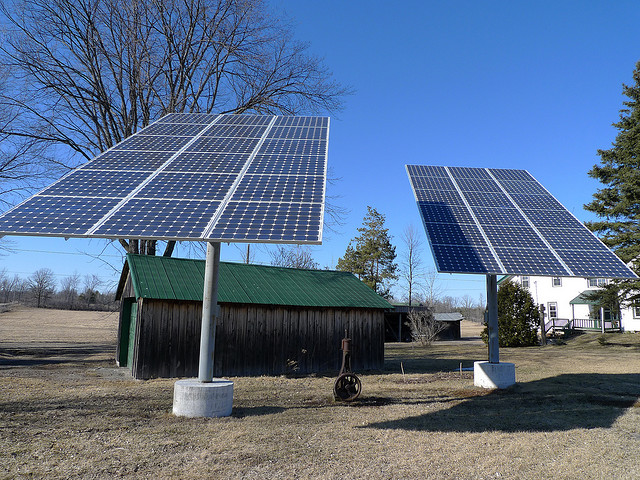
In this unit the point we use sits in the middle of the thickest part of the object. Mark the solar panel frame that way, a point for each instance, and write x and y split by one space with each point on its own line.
502 221
166 186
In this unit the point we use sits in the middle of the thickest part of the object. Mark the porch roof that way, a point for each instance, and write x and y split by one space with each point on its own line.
582 298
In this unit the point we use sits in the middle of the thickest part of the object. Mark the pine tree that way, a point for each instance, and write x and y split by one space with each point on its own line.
618 202
372 258
517 317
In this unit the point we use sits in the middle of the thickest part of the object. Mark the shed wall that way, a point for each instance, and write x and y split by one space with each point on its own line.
254 339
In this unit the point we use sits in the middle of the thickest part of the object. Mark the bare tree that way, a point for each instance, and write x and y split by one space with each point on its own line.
334 213
11 288
247 254
90 292
293 256
42 285
69 288
432 289
410 260
86 74
424 327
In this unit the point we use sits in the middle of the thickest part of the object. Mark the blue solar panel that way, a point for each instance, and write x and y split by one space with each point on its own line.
288 165
193 177
128 160
204 162
279 222
498 216
87 183
59 216
502 221
158 218
153 143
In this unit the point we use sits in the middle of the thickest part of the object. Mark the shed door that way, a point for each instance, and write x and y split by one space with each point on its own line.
132 333
128 331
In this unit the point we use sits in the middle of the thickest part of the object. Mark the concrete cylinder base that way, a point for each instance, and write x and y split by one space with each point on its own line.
494 375
192 398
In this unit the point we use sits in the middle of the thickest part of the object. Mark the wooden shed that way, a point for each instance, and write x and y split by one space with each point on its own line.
272 320
397 324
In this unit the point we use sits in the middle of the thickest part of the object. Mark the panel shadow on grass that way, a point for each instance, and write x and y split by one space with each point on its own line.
53 353
558 403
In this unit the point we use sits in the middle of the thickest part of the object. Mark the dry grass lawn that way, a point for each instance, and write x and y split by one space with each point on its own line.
67 412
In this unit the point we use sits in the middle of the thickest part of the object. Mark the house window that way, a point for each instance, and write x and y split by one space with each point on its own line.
552 309
525 282
597 282
636 311
556 281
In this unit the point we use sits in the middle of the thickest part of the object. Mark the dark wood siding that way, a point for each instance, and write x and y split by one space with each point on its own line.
254 339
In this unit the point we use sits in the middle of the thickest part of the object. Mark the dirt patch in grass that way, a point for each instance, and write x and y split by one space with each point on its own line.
67 412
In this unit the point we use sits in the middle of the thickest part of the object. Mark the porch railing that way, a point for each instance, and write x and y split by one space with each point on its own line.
563 324
555 324
596 324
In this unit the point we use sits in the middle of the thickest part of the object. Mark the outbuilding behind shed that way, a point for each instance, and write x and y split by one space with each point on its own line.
272 320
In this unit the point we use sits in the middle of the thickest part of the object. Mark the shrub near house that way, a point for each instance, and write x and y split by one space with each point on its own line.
517 317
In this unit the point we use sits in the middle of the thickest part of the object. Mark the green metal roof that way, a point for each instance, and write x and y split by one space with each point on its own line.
183 279
583 300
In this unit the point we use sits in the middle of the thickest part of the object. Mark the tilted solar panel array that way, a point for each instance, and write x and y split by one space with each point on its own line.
193 177
502 221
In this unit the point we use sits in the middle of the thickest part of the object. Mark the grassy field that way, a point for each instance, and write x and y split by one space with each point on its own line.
67 412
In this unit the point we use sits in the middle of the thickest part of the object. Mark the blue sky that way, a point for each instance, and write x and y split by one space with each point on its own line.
532 85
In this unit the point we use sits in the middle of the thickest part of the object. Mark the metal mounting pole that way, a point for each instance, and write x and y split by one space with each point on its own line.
209 313
492 318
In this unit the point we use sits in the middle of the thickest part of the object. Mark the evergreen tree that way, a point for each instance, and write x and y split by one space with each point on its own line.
517 317
372 258
618 202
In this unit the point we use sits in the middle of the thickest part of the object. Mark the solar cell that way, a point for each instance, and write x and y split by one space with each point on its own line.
534 261
193 177
322 122
158 218
455 234
441 213
185 130
465 259
433 183
517 236
128 160
490 199
502 221
279 222
244 120
192 118
277 146
153 143
288 164
478 185
498 216
238 131
445 197
276 188
223 145
60 216
195 186
87 183
205 162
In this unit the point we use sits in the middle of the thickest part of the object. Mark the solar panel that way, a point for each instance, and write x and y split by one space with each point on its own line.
502 221
193 177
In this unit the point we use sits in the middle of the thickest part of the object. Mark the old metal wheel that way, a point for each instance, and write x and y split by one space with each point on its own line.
347 387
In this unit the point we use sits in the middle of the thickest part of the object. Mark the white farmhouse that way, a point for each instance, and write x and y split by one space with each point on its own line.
565 303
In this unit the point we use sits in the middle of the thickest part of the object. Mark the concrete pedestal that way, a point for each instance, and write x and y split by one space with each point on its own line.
494 375
192 398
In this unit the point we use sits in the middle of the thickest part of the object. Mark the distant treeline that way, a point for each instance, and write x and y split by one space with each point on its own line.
43 291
